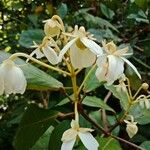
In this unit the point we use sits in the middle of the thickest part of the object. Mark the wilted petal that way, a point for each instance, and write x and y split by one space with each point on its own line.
65 49
115 68
81 58
132 66
89 141
68 145
69 134
38 53
51 55
93 47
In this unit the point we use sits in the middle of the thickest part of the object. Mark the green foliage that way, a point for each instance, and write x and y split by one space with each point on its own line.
55 138
34 123
145 145
121 95
109 144
96 102
120 21
27 37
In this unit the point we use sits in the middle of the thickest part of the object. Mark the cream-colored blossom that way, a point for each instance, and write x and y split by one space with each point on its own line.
45 49
131 128
12 79
69 137
52 27
83 50
111 64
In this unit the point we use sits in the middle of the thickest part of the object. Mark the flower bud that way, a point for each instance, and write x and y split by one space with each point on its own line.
145 86
131 129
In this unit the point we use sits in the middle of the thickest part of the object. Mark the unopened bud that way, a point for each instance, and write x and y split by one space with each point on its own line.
145 86
131 128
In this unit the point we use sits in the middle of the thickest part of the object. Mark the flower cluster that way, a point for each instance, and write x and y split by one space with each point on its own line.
78 49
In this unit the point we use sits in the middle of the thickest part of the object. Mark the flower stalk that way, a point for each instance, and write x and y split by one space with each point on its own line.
14 56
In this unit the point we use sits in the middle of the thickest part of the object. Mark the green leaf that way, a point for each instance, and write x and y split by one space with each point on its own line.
122 96
64 101
34 123
43 141
95 20
62 10
96 102
92 82
145 145
108 144
55 138
142 116
27 37
36 78
106 11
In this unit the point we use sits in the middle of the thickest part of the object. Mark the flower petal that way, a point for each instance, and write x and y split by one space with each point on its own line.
101 71
69 134
81 58
68 145
38 53
89 141
65 49
85 130
121 52
132 66
115 68
15 81
1 80
95 48
51 55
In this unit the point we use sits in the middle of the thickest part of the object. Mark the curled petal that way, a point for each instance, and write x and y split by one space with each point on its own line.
132 66
89 141
65 49
51 55
38 54
93 47
68 145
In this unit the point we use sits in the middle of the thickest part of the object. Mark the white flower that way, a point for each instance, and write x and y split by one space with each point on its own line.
111 64
45 49
12 79
131 128
52 27
83 50
69 137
